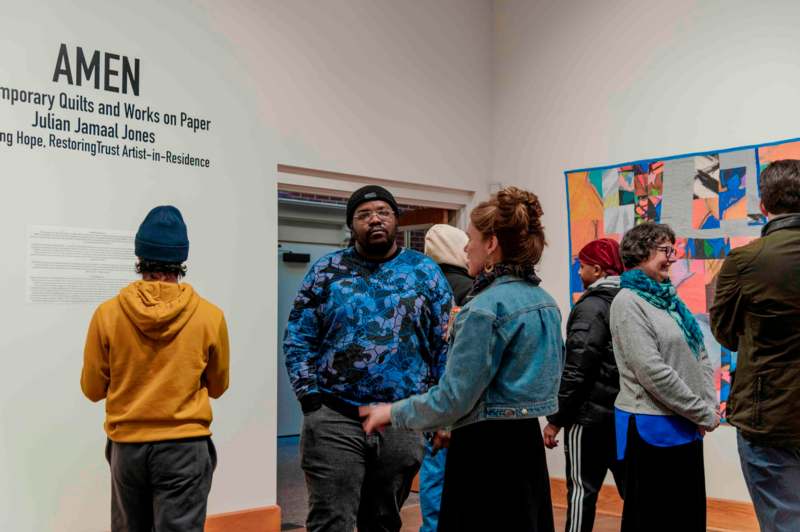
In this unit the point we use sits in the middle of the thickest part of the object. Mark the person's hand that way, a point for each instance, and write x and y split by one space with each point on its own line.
710 428
441 440
376 417
550 432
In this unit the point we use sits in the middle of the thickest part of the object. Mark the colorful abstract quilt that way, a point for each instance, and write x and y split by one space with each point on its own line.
710 200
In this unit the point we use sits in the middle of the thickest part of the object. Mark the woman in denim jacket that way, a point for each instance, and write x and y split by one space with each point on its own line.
503 370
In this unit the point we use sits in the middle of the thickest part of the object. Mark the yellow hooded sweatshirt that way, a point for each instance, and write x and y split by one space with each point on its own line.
156 352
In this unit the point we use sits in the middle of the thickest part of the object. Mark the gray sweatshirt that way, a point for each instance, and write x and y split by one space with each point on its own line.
658 372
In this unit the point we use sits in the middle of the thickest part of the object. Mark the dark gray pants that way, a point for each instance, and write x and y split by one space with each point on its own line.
355 479
160 486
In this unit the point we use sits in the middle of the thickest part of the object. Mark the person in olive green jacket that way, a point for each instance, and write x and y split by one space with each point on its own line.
756 311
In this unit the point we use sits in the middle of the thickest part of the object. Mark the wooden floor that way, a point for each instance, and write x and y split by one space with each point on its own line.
723 516
412 519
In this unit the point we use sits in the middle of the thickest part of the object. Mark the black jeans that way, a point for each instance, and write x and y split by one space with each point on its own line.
355 479
160 486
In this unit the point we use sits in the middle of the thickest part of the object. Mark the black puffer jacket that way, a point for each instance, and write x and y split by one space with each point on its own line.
590 382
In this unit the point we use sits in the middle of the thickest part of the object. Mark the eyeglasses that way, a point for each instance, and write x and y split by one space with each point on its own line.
383 214
668 251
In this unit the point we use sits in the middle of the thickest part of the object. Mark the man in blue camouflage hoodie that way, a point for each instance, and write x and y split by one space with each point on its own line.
368 326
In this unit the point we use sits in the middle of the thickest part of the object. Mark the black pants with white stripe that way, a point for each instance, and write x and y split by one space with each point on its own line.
590 452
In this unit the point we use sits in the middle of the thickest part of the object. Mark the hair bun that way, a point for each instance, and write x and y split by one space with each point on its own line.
520 208
514 216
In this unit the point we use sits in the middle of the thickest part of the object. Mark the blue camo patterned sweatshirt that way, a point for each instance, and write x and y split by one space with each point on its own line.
368 332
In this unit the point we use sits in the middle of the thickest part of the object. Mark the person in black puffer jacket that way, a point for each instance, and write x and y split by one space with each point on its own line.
589 386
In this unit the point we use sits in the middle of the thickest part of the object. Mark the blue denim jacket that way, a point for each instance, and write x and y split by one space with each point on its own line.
504 362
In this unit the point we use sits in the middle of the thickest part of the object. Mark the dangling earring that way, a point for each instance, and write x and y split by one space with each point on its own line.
488 267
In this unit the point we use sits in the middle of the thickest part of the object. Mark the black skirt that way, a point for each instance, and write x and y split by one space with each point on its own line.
495 478
665 487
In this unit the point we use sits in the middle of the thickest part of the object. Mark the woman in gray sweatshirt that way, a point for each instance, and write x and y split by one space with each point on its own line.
667 400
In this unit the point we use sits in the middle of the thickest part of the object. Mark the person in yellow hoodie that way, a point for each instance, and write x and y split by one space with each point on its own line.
156 353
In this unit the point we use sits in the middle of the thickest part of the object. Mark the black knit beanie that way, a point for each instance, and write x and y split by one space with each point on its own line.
369 193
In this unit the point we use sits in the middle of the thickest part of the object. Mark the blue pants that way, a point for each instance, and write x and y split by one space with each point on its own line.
431 480
772 475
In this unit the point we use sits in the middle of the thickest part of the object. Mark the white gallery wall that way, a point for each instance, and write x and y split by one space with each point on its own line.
581 84
398 91
54 473
392 90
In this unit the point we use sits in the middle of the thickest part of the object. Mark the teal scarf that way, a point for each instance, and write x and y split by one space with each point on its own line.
664 296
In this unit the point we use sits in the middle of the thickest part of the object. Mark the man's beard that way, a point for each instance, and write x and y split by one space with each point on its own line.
376 249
